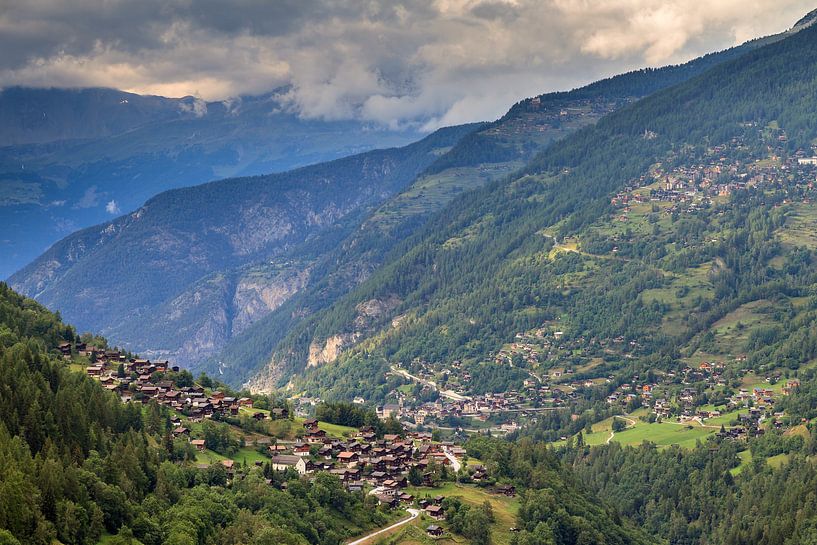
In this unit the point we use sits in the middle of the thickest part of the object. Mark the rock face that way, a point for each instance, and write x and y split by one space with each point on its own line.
373 310
329 351
324 351
266 380
255 297
217 309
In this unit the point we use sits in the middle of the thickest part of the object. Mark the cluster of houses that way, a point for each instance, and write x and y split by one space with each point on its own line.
542 391
758 401
689 187
133 379
358 461
383 463
503 407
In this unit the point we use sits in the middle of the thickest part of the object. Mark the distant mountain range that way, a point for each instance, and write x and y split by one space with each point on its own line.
71 158
193 267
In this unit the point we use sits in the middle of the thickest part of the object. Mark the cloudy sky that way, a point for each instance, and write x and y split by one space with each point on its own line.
428 63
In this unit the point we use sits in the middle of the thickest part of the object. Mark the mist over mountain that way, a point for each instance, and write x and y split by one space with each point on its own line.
71 158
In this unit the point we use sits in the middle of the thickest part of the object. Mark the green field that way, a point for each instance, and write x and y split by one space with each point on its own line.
600 434
335 430
664 434
745 459
778 460
801 227
504 508
209 457
724 419
250 454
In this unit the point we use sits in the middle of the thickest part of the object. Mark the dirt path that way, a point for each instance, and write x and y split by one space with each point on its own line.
630 424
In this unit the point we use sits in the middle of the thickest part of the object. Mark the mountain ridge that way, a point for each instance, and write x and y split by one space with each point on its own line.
474 145
280 297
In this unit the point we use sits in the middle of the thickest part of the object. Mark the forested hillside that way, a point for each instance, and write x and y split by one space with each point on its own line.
212 293
79 464
551 248
703 496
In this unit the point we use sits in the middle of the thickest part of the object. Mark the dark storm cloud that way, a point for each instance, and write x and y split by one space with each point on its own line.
495 10
423 62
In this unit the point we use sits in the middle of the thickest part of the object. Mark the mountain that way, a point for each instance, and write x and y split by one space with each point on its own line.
287 338
632 239
242 310
235 312
71 158
194 266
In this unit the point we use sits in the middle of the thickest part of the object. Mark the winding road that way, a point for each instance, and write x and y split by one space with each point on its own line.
414 514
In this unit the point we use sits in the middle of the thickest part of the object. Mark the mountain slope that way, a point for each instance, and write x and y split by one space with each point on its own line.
67 154
491 153
544 249
157 261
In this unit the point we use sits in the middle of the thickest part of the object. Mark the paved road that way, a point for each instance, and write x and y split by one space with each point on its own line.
444 393
414 514
455 464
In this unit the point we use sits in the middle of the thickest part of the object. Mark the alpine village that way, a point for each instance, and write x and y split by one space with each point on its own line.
592 321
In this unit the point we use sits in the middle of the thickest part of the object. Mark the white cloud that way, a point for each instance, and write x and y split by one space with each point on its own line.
196 106
112 208
395 63
89 199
